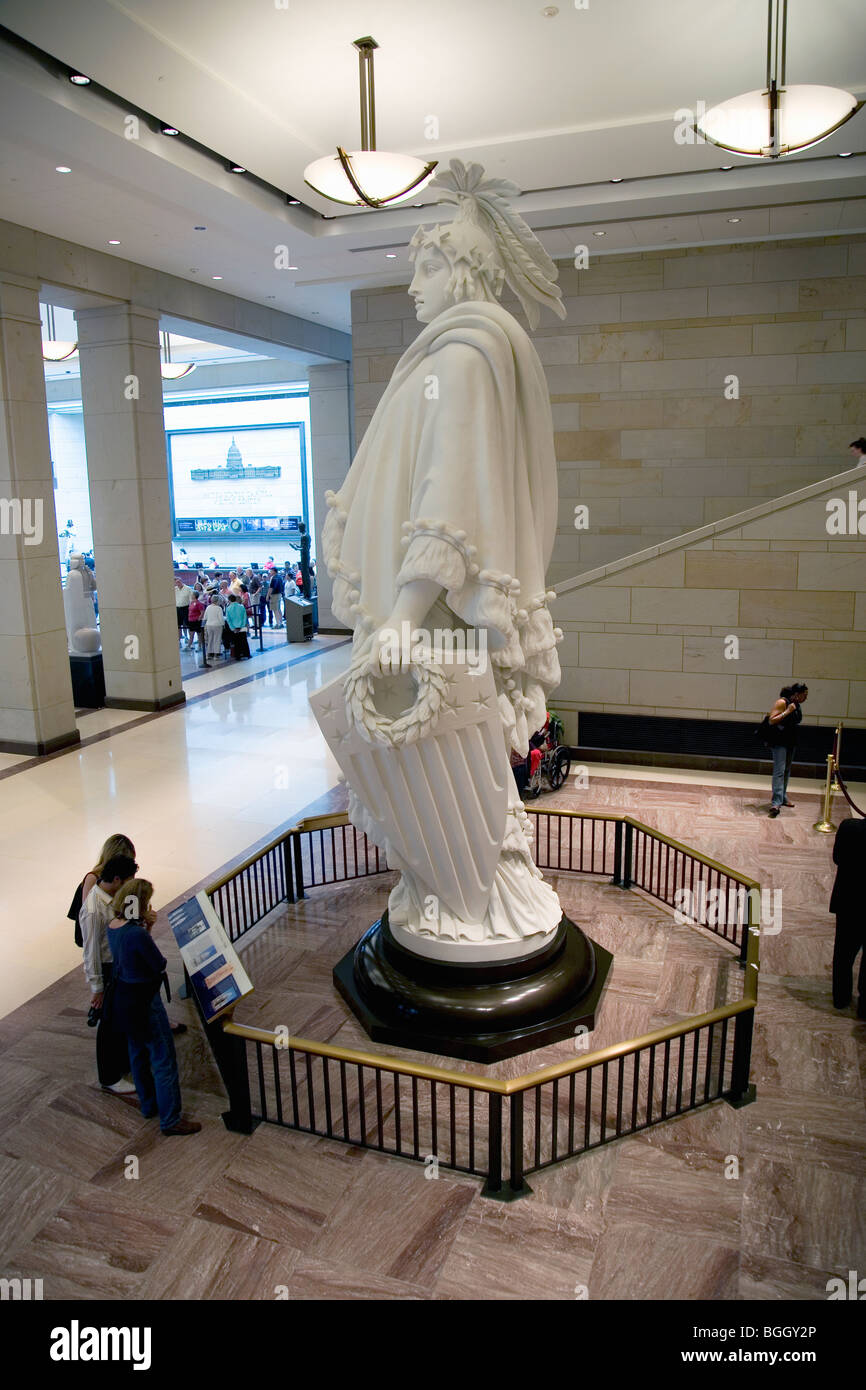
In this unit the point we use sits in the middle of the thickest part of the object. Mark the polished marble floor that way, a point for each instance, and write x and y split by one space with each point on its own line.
762 1202
193 787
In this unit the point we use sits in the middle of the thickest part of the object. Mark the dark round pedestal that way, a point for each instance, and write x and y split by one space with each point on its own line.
479 1012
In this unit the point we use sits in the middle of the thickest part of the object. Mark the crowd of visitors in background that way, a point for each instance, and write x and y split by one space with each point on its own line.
216 610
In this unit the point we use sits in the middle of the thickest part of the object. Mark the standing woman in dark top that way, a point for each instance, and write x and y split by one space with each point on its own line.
138 1011
783 720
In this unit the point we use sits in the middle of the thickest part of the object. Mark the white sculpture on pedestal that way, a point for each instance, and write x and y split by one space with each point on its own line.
81 630
446 522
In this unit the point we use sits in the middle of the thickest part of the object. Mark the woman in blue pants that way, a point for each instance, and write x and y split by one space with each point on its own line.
782 722
138 1011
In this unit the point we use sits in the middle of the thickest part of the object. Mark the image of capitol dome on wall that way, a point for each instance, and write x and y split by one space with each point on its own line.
234 469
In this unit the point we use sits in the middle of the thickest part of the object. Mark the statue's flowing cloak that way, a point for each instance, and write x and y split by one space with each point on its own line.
455 481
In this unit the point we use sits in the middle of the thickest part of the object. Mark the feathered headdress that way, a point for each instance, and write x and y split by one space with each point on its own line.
521 259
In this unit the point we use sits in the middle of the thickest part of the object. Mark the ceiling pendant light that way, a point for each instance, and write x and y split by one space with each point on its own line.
172 371
781 119
55 349
368 177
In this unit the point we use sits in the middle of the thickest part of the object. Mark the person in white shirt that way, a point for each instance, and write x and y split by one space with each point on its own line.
112 1058
183 599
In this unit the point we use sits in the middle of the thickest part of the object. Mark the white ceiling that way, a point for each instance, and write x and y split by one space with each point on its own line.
560 105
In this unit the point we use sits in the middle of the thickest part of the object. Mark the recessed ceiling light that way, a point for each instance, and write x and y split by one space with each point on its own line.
79 79
391 255
616 180
293 202
846 154
114 243
199 229
315 313
62 169
725 167
735 219
170 130
599 233
237 169
216 277
550 11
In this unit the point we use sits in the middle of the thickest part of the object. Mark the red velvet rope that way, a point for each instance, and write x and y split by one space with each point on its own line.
844 790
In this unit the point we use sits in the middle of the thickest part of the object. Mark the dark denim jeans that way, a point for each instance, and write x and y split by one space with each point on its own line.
782 759
154 1067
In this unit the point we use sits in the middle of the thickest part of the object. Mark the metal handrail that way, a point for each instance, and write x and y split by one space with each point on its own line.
472 1080
335 818
557 1070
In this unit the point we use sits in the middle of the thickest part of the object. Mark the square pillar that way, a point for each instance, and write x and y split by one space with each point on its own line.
330 440
37 715
124 434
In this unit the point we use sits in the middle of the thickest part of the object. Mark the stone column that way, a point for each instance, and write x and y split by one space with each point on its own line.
332 453
37 715
124 432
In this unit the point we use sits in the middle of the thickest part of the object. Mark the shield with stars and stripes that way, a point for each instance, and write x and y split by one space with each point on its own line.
438 803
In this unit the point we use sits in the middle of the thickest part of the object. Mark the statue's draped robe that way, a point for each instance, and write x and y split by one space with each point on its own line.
455 482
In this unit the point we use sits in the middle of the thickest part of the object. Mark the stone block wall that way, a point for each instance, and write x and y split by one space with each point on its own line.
651 635
645 436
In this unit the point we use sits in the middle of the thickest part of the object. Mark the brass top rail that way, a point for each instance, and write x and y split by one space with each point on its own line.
336 818
557 1070
472 1080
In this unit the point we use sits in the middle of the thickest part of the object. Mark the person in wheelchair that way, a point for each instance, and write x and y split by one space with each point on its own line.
548 758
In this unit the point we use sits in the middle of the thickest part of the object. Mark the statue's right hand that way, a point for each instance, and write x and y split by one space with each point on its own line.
388 656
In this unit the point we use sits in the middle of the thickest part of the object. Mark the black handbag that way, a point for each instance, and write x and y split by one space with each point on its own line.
770 734
74 909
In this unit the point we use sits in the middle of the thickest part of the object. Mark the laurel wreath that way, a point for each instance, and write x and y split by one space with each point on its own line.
359 689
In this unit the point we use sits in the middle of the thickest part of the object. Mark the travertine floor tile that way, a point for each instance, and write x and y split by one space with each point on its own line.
29 1194
522 1251
281 1186
330 1279
395 1221
97 1246
207 1261
807 1213
637 1261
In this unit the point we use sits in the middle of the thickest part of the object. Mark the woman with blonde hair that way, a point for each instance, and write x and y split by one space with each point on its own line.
115 845
137 1010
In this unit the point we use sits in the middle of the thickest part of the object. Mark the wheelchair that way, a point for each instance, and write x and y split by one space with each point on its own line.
549 759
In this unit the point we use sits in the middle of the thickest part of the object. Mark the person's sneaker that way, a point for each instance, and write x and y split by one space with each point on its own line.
121 1088
774 810
184 1127
787 803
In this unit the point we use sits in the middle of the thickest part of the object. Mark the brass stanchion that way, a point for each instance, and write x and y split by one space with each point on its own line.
826 825
837 757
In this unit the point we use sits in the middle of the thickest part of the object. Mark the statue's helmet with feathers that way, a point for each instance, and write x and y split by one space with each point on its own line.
488 244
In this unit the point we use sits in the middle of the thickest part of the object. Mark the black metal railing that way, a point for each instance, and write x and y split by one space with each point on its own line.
498 1130
371 1103
328 849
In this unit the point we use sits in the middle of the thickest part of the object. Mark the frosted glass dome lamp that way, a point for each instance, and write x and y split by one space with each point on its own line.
368 177
172 371
55 349
780 119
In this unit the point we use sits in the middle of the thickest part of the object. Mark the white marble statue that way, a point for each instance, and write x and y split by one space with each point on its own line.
446 523
81 630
